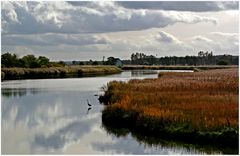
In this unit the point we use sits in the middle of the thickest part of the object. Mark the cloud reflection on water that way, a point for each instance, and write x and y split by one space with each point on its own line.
48 122
49 117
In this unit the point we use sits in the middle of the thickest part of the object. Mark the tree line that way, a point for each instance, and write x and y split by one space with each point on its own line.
28 61
203 58
110 61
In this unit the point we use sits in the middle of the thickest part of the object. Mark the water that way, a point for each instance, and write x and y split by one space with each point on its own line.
51 116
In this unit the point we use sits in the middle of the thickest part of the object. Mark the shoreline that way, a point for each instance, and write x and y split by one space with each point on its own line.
133 122
165 139
57 72
171 67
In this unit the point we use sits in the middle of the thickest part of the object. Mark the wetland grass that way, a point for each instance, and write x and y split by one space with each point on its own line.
199 107
56 72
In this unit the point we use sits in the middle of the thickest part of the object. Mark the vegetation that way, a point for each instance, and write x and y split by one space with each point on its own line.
199 107
31 67
222 62
28 61
157 67
203 58
56 72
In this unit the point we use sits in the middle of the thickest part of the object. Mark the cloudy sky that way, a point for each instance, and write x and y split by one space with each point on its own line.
90 30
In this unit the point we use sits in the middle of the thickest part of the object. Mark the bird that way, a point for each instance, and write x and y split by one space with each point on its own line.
89 108
88 103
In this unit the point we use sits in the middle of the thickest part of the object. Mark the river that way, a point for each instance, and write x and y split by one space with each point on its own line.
51 116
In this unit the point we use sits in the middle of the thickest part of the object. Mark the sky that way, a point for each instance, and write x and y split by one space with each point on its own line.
77 30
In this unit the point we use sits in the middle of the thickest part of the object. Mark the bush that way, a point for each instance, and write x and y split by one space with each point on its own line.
222 62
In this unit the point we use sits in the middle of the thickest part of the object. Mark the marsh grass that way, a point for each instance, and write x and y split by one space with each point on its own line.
56 72
200 105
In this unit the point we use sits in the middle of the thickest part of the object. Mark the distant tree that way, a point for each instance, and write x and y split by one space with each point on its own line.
43 61
21 63
81 63
95 63
222 62
200 53
61 63
110 61
30 61
90 62
9 60
74 62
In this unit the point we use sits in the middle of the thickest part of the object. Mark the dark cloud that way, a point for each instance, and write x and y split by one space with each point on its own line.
195 6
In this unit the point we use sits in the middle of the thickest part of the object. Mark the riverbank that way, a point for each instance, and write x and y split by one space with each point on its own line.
158 67
57 72
198 108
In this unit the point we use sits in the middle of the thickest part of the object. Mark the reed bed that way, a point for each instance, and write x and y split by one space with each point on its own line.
203 103
56 72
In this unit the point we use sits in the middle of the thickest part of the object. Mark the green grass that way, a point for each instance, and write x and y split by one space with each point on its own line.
56 72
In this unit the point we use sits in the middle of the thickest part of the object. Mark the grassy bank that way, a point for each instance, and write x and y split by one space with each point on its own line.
199 107
56 72
158 67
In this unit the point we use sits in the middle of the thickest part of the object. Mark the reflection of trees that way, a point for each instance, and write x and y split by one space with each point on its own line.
142 72
153 141
18 92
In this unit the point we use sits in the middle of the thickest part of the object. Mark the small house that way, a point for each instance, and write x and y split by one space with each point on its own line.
118 63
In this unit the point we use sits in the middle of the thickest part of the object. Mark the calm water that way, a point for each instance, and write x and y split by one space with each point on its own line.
51 116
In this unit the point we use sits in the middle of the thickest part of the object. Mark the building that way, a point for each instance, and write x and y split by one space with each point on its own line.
118 63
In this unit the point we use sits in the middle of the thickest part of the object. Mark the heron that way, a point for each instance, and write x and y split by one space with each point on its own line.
88 103
89 108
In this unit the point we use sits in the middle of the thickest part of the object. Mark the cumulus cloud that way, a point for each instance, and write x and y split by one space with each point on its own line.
165 43
201 39
160 43
95 29
166 37
91 17
195 6
218 42
227 41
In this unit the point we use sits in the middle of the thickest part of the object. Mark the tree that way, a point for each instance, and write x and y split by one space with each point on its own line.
61 63
200 53
222 62
74 62
111 61
43 61
9 60
81 63
95 63
30 61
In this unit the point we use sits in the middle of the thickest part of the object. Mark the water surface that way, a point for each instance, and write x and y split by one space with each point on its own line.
51 116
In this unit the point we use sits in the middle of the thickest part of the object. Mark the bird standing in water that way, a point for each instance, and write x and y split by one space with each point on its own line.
89 108
88 103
